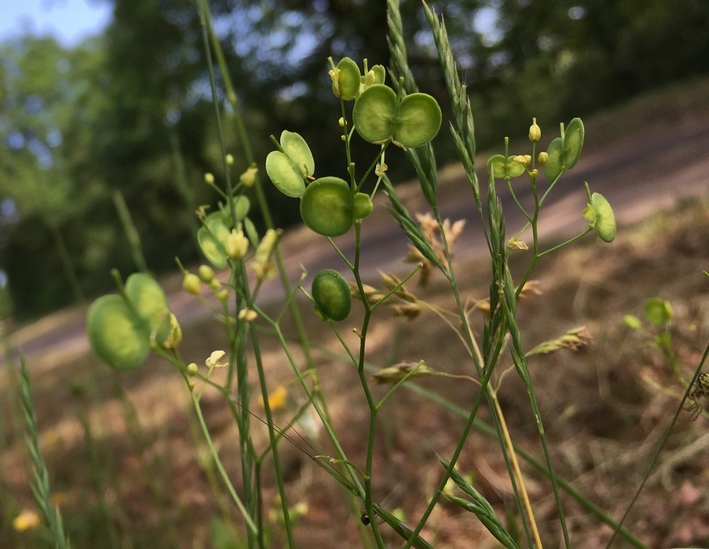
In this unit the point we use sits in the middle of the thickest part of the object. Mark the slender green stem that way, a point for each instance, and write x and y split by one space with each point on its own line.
225 477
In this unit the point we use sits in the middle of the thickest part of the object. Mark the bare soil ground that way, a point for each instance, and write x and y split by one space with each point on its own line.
605 407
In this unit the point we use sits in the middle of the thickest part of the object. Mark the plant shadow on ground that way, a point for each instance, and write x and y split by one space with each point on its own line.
603 420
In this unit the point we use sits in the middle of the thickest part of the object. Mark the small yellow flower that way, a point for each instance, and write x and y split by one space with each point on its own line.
248 178
192 369
26 520
277 398
174 338
209 178
247 314
236 244
262 265
214 358
543 158
229 159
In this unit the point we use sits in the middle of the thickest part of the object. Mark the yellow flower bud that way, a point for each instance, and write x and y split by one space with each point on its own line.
214 284
192 369
522 159
247 314
236 244
229 159
341 122
262 266
248 178
543 158
535 132
223 294
192 284
205 273
209 178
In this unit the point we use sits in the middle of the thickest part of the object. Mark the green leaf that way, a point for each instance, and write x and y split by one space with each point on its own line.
418 120
374 113
331 294
573 143
327 206
212 249
117 335
285 174
554 166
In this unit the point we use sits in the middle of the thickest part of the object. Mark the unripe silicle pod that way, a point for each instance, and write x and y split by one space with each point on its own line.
331 294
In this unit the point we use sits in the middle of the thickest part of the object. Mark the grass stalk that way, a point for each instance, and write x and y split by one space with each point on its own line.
40 485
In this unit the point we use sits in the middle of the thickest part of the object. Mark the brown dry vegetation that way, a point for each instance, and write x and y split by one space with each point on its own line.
603 420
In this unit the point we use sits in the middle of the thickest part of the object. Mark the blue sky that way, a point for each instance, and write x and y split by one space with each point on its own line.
69 21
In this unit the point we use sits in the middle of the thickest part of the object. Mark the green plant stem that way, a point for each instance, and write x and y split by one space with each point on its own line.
517 470
131 233
96 480
225 477
267 408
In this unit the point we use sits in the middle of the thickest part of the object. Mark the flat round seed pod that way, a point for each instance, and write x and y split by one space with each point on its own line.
331 293
327 206
212 249
116 333
374 113
418 120
149 301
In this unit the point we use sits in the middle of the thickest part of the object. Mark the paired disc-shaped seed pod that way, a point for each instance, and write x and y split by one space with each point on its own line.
502 167
600 216
121 329
289 169
378 116
564 151
331 294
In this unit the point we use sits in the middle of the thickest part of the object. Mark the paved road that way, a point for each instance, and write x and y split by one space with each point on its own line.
640 174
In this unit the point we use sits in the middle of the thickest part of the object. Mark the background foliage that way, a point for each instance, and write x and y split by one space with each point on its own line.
76 124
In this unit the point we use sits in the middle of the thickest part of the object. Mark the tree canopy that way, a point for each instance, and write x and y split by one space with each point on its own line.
111 114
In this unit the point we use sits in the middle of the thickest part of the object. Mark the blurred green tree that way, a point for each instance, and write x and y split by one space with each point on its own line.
76 124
